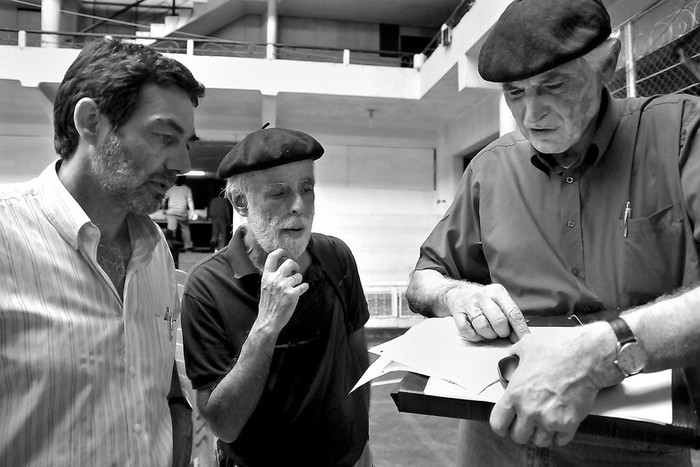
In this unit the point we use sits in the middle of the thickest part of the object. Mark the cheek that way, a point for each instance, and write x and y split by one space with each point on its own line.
580 109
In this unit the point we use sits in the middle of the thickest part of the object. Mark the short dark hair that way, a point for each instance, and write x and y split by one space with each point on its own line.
112 73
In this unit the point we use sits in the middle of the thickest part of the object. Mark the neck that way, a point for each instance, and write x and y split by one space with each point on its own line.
579 149
110 219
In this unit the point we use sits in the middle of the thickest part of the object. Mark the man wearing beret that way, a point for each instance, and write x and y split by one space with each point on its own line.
273 323
587 210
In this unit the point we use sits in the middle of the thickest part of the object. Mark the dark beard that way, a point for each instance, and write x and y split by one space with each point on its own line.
128 185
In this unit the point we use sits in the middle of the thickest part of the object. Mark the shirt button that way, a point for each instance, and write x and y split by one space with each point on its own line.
571 224
574 271
137 428
569 179
132 371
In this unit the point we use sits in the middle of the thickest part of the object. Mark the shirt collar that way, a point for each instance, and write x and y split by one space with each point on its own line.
69 218
61 209
608 120
237 255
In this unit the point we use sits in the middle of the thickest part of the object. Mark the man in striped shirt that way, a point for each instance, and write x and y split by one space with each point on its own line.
179 208
88 295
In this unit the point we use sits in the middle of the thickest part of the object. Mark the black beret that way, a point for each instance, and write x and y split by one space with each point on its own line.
534 36
268 148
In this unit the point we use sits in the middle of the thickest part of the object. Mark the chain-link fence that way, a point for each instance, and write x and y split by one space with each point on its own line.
665 49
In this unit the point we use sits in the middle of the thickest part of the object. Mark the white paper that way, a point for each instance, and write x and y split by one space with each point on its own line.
461 369
382 366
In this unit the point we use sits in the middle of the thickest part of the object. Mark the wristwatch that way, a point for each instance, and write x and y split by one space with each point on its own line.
631 356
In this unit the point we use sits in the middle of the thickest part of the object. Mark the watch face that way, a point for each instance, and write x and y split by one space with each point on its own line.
631 358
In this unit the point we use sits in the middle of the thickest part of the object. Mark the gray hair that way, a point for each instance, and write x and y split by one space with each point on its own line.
239 185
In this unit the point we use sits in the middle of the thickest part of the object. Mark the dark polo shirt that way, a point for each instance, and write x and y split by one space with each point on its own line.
555 238
305 415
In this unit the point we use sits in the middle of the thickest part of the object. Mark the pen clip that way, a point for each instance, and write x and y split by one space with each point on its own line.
626 218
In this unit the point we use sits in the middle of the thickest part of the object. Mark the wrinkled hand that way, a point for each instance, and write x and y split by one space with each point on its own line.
552 390
280 289
486 312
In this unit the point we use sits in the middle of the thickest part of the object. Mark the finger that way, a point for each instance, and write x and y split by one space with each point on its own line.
274 259
515 317
522 430
288 268
481 325
501 418
563 438
465 328
542 438
497 321
297 279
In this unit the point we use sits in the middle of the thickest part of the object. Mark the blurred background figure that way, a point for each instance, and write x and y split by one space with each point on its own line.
219 213
179 206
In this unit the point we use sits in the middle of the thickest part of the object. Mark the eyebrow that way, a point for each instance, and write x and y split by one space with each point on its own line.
176 126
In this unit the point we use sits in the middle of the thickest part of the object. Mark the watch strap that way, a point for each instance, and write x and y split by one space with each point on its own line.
622 331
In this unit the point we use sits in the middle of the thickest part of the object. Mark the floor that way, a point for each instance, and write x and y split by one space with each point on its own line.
400 439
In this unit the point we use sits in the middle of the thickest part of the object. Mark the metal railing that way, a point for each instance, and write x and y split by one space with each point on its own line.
388 306
213 47
661 51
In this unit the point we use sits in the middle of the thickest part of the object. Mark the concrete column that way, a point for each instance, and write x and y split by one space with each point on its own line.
50 21
269 110
506 122
271 28
629 62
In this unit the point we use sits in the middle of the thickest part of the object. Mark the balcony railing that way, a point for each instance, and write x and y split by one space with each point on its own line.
215 47
388 306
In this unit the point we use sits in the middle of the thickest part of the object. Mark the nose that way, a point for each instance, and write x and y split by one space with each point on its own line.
535 108
179 160
298 204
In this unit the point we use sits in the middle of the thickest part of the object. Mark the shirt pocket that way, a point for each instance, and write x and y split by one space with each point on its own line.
652 255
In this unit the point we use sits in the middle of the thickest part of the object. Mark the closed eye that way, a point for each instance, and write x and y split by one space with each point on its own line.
166 138
513 93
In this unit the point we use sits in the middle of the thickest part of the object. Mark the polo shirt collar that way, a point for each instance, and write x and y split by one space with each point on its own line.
237 255
608 121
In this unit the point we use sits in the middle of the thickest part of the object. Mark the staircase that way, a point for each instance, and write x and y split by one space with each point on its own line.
206 17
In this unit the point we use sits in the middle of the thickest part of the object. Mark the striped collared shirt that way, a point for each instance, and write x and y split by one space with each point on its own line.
83 376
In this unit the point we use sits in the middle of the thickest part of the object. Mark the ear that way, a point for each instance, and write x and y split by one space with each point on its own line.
610 53
240 204
86 118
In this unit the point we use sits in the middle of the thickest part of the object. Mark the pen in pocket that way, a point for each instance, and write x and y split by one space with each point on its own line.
628 214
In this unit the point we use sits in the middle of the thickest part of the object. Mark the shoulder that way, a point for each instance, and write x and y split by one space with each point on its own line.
508 153
658 106
205 277
321 243
18 202
505 148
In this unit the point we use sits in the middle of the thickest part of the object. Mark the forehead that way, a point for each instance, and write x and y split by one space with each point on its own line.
290 174
563 72
165 104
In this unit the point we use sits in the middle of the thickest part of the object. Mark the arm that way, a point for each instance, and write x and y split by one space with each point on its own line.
228 406
190 205
181 415
555 386
480 311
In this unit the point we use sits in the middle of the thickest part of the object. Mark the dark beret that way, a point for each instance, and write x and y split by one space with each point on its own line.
268 148
534 36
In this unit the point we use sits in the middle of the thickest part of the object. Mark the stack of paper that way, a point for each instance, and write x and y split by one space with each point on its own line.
464 370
